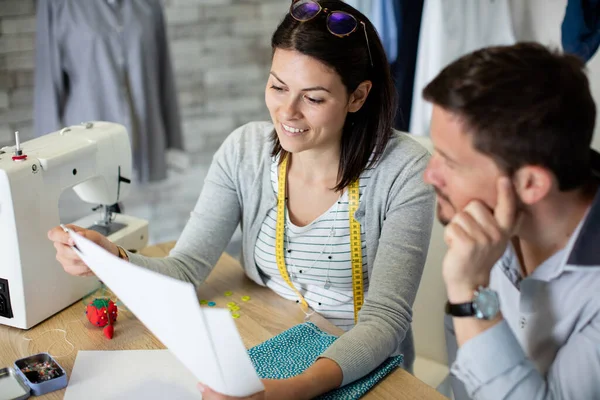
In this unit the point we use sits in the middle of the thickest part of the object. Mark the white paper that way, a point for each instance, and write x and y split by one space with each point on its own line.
206 341
131 374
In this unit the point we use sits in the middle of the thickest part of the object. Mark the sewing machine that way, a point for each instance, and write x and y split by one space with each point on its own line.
95 160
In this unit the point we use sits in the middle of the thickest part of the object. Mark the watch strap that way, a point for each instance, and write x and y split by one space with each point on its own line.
460 309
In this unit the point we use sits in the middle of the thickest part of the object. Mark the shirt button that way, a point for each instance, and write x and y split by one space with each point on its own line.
523 322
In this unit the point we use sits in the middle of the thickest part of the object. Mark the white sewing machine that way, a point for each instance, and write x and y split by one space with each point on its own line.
95 160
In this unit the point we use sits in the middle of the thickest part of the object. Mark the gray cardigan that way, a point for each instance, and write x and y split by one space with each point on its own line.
396 211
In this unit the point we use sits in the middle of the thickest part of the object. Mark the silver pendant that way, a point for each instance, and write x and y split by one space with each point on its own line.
327 285
293 276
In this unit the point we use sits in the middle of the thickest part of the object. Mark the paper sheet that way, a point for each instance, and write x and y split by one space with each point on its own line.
206 341
132 374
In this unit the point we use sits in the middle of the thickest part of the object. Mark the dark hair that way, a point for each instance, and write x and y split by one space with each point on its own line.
368 130
523 105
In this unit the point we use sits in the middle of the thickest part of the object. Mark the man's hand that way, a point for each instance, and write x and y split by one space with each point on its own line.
476 239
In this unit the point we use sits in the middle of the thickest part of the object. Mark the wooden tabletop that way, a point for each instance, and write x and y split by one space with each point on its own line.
263 316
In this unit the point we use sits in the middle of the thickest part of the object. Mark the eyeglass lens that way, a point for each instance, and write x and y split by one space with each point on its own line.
341 23
303 10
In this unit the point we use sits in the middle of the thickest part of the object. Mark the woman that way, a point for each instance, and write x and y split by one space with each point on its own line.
331 140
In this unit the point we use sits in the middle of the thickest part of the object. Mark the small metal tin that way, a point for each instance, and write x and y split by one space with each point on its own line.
12 386
34 375
39 383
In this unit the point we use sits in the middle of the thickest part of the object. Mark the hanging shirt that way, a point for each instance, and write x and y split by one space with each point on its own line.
580 29
311 246
108 60
385 15
364 6
449 30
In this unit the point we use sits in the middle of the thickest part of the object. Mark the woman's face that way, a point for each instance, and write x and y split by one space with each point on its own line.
307 101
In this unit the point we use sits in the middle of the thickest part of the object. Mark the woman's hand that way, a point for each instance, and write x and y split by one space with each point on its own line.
209 394
67 257
274 389
321 377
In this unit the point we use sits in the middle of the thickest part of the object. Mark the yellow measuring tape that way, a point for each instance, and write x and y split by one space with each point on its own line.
355 242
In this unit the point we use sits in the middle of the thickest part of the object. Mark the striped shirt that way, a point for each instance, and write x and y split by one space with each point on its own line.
317 257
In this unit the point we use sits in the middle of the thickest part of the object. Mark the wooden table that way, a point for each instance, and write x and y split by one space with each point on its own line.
264 316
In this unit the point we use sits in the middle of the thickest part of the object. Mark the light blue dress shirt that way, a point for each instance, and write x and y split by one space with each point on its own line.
548 346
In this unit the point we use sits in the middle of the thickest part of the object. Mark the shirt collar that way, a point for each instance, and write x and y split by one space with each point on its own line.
581 252
585 252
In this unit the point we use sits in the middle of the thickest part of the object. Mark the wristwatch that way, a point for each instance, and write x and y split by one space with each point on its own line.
485 305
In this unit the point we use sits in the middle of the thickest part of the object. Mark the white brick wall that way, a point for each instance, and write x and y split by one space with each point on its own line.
25 131
17 25
229 43
15 115
180 15
179 3
21 78
18 61
245 28
238 12
6 135
199 130
10 8
17 42
220 52
21 97
234 106
239 74
272 11
3 99
190 96
186 47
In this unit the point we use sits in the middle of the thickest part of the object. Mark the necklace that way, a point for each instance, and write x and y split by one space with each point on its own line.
355 247
300 270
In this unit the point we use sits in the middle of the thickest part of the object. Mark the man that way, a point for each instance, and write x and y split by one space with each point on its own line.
512 128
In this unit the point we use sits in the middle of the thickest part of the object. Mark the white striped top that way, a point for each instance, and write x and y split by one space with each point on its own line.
307 256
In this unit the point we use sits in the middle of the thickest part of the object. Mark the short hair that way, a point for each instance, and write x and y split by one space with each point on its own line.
523 105
367 131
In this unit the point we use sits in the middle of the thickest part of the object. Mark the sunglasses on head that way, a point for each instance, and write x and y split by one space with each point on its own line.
339 23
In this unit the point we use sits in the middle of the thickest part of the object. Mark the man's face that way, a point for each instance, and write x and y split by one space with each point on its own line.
457 171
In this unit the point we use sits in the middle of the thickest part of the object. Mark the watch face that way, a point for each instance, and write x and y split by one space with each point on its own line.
486 304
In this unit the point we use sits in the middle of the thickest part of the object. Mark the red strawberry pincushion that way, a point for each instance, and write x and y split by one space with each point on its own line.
103 313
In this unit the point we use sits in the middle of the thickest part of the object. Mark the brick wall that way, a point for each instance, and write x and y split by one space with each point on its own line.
220 51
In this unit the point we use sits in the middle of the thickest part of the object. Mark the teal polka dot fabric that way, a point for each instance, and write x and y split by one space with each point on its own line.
293 351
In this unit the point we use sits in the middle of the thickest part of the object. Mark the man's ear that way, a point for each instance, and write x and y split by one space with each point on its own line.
359 96
533 183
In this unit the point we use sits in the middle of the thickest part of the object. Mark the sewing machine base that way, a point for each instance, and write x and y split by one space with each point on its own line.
129 232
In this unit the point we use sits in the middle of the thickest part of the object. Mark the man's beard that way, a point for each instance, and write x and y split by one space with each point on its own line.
443 220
